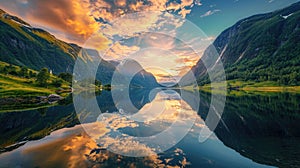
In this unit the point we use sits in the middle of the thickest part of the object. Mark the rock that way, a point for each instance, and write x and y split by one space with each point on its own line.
54 97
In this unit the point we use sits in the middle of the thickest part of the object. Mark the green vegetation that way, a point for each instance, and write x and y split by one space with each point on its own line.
20 86
263 49
66 76
25 46
45 119
238 88
17 81
34 48
42 77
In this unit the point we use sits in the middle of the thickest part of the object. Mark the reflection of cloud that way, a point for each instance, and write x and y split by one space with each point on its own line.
115 121
126 145
210 12
72 147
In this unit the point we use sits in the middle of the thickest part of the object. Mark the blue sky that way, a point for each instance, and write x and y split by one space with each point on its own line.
228 12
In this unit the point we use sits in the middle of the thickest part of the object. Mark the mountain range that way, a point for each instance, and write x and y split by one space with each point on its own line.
264 47
27 46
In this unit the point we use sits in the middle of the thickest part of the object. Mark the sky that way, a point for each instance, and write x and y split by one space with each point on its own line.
167 37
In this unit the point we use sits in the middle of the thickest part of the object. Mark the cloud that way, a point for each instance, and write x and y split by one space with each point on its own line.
71 18
100 24
119 51
77 20
210 12
110 10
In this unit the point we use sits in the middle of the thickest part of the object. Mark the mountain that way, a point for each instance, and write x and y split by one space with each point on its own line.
264 47
23 45
131 73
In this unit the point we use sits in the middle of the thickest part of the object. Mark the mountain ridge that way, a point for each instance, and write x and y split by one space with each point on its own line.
24 45
263 47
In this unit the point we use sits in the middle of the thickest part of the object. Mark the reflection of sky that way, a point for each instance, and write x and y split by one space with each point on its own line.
72 147
121 36
167 117
76 147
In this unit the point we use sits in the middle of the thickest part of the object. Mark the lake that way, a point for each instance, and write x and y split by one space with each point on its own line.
255 130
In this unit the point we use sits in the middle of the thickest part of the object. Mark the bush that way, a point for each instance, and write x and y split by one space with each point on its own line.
42 77
66 77
57 82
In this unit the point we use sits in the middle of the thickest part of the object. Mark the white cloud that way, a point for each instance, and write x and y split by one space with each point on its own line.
210 12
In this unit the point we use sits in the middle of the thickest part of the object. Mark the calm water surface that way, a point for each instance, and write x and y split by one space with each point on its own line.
259 130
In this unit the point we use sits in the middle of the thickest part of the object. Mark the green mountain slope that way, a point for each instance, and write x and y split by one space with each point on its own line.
23 45
263 47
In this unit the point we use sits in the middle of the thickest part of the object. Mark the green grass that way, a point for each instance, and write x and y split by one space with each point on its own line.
236 87
13 86
21 93
16 93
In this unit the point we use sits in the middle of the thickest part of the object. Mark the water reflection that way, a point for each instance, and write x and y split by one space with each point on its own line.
16 128
262 128
159 111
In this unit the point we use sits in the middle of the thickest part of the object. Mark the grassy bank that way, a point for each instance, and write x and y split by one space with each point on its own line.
21 91
235 86
15 83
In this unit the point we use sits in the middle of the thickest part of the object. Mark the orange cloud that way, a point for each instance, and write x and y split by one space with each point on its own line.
118 51
101 8
69 20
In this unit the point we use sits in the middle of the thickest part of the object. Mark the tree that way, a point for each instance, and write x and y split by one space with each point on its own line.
66 76
32 74
42 77
57 82
5 70
12 70
23 72
293 79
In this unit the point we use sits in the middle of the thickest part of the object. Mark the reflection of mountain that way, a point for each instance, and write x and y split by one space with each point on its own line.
263 128
18 126
131 100
23 45
139 97
34 124
262 47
